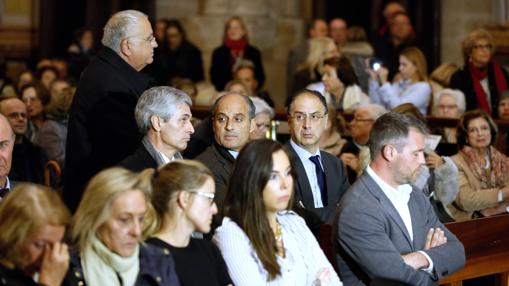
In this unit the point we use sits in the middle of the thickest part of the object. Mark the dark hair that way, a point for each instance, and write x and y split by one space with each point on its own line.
79 33
311 92
244 199
41 91
250 105
40 71
174 23
462 133
392 128
344 70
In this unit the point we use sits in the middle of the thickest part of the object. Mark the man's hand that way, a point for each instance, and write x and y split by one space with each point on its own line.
435 237
415 260
55 263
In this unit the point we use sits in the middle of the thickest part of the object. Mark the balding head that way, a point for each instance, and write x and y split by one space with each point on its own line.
6 146
16 113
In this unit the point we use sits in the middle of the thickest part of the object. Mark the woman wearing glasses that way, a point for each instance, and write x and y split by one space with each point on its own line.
262 241
183 197
482 80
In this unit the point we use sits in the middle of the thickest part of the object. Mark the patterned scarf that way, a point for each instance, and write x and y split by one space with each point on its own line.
496 176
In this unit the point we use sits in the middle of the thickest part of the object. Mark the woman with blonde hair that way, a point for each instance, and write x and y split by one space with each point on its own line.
234 49
32 224
183 197
107 231
481 79
310 71
412 86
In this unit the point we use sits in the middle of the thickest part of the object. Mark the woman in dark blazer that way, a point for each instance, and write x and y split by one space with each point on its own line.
234 49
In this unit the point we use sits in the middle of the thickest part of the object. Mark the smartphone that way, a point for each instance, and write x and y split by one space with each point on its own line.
375 64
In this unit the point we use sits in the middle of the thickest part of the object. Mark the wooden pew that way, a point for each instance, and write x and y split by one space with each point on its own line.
486 242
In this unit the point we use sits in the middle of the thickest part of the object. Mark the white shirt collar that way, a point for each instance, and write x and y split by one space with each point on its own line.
303 153
235 154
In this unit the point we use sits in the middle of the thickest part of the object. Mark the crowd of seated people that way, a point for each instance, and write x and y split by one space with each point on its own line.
149 192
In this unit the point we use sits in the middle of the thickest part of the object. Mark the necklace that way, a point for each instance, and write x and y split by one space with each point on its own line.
278 236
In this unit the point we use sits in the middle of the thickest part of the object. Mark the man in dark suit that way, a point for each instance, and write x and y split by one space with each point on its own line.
232 120
321 177
387 229
102 129
164 117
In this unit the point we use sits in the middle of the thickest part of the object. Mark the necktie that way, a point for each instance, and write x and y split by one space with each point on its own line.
320 176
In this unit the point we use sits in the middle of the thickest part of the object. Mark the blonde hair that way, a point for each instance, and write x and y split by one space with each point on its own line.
443 73
415 56
23 212
317 49
469 42
95 206
179 175
60 103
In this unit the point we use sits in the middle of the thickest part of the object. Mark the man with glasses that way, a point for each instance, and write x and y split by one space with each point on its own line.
321 178
232 120
164 117
360 126
102 128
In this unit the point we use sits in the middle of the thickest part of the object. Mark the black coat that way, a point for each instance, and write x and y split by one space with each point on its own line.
102 129
28 161
337 185
15 277
139 160
220 69
462 80
185 62
157 267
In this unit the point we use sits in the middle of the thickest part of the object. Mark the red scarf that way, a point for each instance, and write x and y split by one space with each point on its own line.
478 75
236 46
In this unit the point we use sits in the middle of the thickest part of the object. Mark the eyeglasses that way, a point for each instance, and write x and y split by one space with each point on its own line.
362 119
301 117
487 46
209 196
149 39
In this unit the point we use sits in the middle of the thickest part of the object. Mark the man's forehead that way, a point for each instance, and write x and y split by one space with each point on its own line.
307 102
232 104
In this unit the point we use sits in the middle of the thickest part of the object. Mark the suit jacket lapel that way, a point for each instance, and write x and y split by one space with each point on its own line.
376 191
418 223
330 179
303 189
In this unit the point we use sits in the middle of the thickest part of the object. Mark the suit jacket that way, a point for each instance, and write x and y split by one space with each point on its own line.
139 160
28 161
337 184
102 130
220 162
371 237
220 69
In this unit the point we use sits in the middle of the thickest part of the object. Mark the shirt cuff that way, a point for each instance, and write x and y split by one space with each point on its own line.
430 262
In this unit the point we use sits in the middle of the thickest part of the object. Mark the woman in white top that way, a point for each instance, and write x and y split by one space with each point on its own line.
262 241
411 86
340 80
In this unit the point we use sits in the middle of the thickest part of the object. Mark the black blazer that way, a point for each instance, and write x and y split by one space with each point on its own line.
462 80
220 69
102 129
139 160
337 184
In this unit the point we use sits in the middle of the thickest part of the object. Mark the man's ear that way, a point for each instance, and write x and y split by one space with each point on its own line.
155 123
125 48
252 125
388 152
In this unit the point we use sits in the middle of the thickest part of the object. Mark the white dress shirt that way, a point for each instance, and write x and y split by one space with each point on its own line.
309 167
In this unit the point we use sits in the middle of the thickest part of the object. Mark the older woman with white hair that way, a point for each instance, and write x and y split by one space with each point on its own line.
448 103
263 116
107 233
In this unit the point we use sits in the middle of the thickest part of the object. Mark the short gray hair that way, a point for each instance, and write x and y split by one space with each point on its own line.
458 96
119 27
160 101
375 110
261 106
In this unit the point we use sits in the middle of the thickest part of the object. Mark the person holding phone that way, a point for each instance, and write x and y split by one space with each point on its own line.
411 86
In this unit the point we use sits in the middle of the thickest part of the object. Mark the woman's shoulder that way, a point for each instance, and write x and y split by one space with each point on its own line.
290 218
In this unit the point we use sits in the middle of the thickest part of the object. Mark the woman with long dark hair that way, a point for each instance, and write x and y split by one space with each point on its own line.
262 241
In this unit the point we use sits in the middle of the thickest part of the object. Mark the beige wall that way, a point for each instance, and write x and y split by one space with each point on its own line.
273 26
459 17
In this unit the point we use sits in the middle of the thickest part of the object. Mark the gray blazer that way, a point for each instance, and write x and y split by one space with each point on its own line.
371 237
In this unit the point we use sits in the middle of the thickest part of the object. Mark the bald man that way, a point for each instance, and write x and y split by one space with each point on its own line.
7 144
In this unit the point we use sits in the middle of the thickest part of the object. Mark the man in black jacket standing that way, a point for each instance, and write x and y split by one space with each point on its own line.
102 128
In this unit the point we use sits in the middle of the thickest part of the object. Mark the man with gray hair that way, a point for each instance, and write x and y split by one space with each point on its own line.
164 116
386 228
102 128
